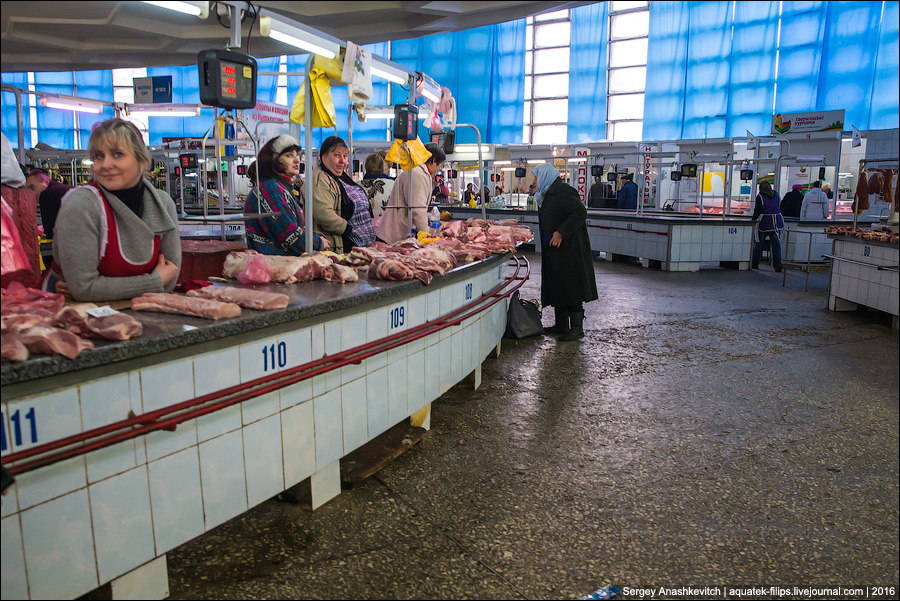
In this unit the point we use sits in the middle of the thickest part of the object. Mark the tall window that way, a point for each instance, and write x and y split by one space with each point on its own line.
629 24
546 78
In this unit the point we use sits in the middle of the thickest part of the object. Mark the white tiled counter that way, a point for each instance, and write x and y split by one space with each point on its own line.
864 273
674 243
72 526
799 248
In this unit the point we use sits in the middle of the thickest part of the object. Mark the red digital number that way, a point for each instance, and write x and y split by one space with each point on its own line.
231 91
229 70
231 80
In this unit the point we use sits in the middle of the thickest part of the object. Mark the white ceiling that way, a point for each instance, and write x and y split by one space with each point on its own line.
75 36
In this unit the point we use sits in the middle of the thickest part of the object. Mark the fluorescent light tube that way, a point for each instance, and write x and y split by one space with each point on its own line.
508 169
196 9
578 160
503 162
536 162
71 104
163 110
288 34
379 72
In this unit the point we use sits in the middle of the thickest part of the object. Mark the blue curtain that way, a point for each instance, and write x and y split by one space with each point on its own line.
885 109
751 88
667 52
706 82
97 85
267 85
800 56
8 109
484 68
587 73
56 127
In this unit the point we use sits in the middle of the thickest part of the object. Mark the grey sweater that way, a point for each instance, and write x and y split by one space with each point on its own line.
76 243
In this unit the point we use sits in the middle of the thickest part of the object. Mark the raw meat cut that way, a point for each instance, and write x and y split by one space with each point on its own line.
183 305
245 297
861 198
236 261
11 346
77 320
46 340
876 183
411 243
339 274
888 182
19 299
389 269
423 276
453 229
443 259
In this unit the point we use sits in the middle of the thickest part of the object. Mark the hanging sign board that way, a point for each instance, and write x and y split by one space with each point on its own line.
581 178
267 120
152 90
802 123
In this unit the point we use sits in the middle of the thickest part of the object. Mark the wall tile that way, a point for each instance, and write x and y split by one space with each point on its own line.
123 529
49 482
44 418
397 392
222 478
317 334
59 548
332 337
417 314
217 371
263 460
433 303
253 410
12 559
468 355
416 382
398 320
298 443
432 372
377 402
298 346
176 499
329 428
163 386
456 358
354 415
104 402
296 394
353 334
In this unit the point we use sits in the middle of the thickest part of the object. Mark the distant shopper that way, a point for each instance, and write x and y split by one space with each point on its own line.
407 210
469 196
283 234
628 194
49 193
792 201
340 205
567 269
815 204
601 195
377 184
826 188
771 223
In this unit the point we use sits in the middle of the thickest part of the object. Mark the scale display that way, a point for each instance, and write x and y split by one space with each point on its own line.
227 79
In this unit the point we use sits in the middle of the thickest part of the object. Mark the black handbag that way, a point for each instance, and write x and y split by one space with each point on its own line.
523 319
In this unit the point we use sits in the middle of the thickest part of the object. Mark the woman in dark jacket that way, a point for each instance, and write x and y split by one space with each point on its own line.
567 269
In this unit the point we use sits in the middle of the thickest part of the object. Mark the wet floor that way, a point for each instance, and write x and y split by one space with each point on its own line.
712 429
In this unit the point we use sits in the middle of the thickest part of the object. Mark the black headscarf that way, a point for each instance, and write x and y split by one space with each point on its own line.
346 204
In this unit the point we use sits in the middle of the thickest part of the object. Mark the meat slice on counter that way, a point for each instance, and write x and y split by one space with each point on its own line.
431 259
245 297
454 229
77 320
11 346
46 340
183 305
861 198
19 299
469 255
389 269
410 243
423 276
340 274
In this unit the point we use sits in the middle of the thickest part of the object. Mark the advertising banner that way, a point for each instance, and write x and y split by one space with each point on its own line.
802 123
581 178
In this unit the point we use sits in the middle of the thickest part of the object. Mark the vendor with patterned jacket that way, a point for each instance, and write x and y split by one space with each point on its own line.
282 234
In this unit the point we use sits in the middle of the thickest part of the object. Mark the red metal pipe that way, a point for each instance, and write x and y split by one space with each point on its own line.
215 401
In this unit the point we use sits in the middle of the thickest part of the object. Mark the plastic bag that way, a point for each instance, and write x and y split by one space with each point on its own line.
14 258
322 114
256 272
523 319
413 155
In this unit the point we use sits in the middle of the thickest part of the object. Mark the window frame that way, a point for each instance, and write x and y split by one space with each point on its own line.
530 76
611 123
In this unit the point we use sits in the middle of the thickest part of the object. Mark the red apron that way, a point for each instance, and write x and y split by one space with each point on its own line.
113 263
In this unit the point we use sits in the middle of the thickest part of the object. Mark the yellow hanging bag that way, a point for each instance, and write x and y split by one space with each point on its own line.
324 74
413 155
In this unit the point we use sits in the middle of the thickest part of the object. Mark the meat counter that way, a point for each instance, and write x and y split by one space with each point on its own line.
85 520
864 272
671 241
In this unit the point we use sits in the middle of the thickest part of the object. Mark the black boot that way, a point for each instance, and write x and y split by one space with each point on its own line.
577 331
562 323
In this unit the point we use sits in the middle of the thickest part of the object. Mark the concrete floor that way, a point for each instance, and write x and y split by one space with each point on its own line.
712 429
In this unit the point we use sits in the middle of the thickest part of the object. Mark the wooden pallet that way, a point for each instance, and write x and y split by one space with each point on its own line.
378 452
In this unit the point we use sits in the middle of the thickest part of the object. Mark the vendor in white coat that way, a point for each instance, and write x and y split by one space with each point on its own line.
815 204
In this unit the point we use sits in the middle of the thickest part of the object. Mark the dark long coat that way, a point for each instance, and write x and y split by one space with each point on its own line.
567 272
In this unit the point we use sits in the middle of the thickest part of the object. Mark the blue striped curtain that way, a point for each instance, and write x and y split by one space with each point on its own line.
885 109
707 77
667 52
56 127
587 73
751 88
8 118
800 56
97 85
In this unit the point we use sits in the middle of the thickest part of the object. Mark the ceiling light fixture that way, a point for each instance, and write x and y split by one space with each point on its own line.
388 72
163 110
430 88
297 37
196 9
67 103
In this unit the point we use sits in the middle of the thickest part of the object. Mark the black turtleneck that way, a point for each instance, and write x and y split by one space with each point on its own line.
133 198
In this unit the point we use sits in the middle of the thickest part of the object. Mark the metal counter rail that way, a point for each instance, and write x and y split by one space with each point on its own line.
809 262
878 267
111 434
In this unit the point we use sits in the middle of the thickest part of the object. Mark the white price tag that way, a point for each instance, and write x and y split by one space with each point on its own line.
189 328
104 311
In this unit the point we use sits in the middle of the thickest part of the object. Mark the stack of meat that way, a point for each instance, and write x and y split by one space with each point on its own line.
496 236
863 234
252 268
35 322
404 261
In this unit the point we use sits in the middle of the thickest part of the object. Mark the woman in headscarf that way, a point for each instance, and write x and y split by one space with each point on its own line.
567 269
341 208
768 211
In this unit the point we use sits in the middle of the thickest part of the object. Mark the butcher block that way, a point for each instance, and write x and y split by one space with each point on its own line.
203 259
